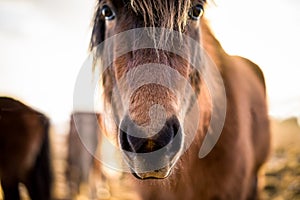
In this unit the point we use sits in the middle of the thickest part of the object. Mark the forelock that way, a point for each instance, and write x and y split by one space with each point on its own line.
170 14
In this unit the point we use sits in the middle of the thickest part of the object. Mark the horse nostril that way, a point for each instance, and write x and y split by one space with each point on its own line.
129 141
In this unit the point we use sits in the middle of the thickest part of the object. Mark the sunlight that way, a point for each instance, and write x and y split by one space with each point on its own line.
267 33
41 54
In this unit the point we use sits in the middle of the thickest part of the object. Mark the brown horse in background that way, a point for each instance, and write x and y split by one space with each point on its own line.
230 170
24 151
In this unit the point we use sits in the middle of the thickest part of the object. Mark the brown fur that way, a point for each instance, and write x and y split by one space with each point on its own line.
229 171
154 12
24 150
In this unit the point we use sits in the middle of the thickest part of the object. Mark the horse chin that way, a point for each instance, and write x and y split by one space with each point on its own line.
156 174
139 171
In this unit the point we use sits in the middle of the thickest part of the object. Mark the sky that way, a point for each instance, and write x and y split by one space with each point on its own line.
43 45
267 32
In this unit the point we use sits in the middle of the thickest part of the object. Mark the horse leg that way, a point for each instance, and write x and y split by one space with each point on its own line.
37 187
39 181
10 190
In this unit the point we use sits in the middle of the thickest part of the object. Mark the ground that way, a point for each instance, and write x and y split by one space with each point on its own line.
282 172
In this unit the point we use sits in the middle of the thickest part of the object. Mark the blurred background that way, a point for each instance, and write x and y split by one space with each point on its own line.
43 44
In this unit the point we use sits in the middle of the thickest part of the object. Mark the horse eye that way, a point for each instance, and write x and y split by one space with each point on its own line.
107 13
196 12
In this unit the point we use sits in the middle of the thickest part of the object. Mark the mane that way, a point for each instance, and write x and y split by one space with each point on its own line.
168 14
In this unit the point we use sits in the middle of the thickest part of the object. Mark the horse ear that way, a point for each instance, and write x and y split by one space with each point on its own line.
98 33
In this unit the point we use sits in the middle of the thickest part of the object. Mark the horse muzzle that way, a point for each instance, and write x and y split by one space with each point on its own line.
153 156
156 174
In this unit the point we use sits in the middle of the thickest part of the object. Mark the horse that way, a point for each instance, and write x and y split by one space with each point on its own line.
149 89
82 144
24 151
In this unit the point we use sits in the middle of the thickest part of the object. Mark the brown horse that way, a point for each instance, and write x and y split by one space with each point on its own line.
143 119
24 150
